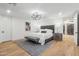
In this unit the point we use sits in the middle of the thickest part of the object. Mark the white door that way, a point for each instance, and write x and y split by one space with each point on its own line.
75 31
5 29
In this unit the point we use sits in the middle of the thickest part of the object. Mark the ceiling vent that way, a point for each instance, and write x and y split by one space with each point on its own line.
12 4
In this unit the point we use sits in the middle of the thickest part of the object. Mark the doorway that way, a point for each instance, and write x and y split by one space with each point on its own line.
70 29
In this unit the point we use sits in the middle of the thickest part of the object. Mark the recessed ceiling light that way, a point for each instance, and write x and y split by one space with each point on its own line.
60 13
8 11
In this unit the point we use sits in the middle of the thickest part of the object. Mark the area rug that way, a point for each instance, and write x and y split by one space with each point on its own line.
32 48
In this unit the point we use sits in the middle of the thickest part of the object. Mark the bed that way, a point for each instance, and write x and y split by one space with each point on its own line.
41 36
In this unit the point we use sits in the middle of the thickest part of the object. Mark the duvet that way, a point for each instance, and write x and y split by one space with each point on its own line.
42 36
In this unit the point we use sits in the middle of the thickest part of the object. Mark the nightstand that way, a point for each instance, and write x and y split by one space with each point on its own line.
58 36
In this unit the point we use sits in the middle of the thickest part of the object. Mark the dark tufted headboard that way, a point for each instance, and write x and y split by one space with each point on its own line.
52 27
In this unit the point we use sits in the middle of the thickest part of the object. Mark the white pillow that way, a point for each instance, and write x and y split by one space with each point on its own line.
48 30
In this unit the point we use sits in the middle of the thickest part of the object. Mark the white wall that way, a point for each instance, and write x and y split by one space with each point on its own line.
58 25
18 28
58 22
6 27
14 28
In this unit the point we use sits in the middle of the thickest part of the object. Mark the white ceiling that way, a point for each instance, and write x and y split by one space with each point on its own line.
22 10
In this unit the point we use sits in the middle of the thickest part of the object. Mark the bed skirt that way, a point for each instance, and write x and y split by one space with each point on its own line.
36 40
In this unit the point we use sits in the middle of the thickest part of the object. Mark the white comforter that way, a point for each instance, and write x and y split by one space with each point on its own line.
42 36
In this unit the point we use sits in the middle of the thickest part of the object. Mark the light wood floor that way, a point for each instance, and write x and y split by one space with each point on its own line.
11 49
61 48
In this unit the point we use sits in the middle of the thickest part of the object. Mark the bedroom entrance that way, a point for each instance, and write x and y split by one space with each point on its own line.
68 29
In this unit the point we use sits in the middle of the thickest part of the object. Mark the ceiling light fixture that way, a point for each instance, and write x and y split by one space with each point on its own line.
36 14
60 13
8 11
